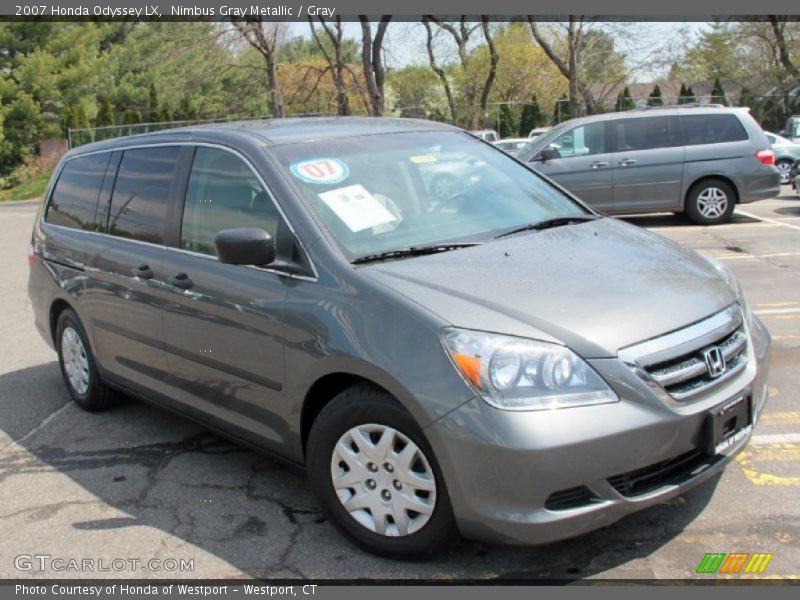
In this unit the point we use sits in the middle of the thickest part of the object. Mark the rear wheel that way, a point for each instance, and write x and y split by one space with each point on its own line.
78 366
784 166
710 202
377 478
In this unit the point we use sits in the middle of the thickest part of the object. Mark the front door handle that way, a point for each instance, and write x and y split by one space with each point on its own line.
599 163
143 272
181 280
627 161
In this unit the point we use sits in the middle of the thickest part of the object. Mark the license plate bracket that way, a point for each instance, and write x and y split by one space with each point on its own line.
729 424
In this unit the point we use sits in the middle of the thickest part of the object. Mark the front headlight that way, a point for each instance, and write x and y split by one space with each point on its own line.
519 374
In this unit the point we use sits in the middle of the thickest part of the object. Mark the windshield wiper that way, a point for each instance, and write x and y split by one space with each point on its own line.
549 224
412 251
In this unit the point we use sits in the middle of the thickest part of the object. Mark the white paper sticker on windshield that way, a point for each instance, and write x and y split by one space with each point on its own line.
322 171
357 208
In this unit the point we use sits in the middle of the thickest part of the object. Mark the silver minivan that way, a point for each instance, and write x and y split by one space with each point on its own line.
698 161
501 362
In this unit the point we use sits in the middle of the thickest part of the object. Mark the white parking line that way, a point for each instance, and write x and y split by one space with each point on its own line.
767 220
775 438
776 311
755 256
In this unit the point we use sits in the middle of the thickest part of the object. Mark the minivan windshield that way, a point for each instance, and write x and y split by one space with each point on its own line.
381 193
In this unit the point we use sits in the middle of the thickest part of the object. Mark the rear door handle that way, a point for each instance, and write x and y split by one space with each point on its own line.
181 280
627 161
143 272
599 163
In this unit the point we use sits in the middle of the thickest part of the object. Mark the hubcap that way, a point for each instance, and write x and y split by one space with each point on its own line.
784 168
76 363
395 499
712 203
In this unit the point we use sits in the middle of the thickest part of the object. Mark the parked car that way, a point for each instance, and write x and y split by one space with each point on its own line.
512 146
536 132
487 135
701 161
786 152
792 129
508 365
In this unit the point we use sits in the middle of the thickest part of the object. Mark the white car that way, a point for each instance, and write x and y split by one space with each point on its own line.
487 135
512 145
538 131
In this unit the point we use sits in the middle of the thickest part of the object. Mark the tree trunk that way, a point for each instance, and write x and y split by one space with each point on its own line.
448 91
494 58
372 62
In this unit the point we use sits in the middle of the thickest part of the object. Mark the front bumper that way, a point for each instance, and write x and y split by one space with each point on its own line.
502 468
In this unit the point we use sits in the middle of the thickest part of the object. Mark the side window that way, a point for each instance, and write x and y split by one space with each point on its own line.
223 193
584 140
141 194
74 199
712 129
641 133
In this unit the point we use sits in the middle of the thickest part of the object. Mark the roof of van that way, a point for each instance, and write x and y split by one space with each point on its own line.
281 131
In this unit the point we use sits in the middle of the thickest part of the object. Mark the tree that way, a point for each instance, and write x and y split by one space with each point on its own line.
569 61
187 110
507 126
690 97
372 62
440 72
718 94
532 117
105 116
335 58
165 114
476 88
624 100
264 37
131 117
152 104
415 92
682 94
655 98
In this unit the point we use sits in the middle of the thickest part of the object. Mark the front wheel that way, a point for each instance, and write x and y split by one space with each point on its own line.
710 202
377 478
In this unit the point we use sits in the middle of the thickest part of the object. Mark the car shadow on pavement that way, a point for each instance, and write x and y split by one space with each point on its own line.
126 477
670 220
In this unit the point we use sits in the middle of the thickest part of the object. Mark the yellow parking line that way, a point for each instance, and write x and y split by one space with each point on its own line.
768 452
780 418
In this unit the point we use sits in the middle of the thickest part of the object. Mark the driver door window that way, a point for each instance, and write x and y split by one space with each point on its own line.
223 193
584 140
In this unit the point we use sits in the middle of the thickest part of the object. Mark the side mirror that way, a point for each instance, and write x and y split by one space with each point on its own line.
548 154
245 246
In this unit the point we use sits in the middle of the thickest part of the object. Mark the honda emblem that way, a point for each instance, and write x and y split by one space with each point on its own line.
715 361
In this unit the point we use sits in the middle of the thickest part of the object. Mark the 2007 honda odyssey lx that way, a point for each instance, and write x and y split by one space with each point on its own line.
503 363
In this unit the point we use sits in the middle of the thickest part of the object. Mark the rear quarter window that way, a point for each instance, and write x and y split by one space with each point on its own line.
712 129
74 200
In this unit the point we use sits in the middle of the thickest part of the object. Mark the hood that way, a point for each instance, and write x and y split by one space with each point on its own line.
596 286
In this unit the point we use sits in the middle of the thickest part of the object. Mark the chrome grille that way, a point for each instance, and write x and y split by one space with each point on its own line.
687 362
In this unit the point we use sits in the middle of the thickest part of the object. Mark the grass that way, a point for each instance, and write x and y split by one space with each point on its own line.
33 188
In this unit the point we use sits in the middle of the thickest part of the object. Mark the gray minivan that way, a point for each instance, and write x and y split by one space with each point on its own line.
503 363
700 161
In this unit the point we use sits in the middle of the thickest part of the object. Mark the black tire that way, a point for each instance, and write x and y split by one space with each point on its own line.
97 396
696 194
365 404
787 164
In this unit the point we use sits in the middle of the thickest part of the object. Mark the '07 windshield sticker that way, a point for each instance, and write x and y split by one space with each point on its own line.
321 171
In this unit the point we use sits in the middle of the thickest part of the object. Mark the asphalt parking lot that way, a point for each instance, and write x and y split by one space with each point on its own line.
139 483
